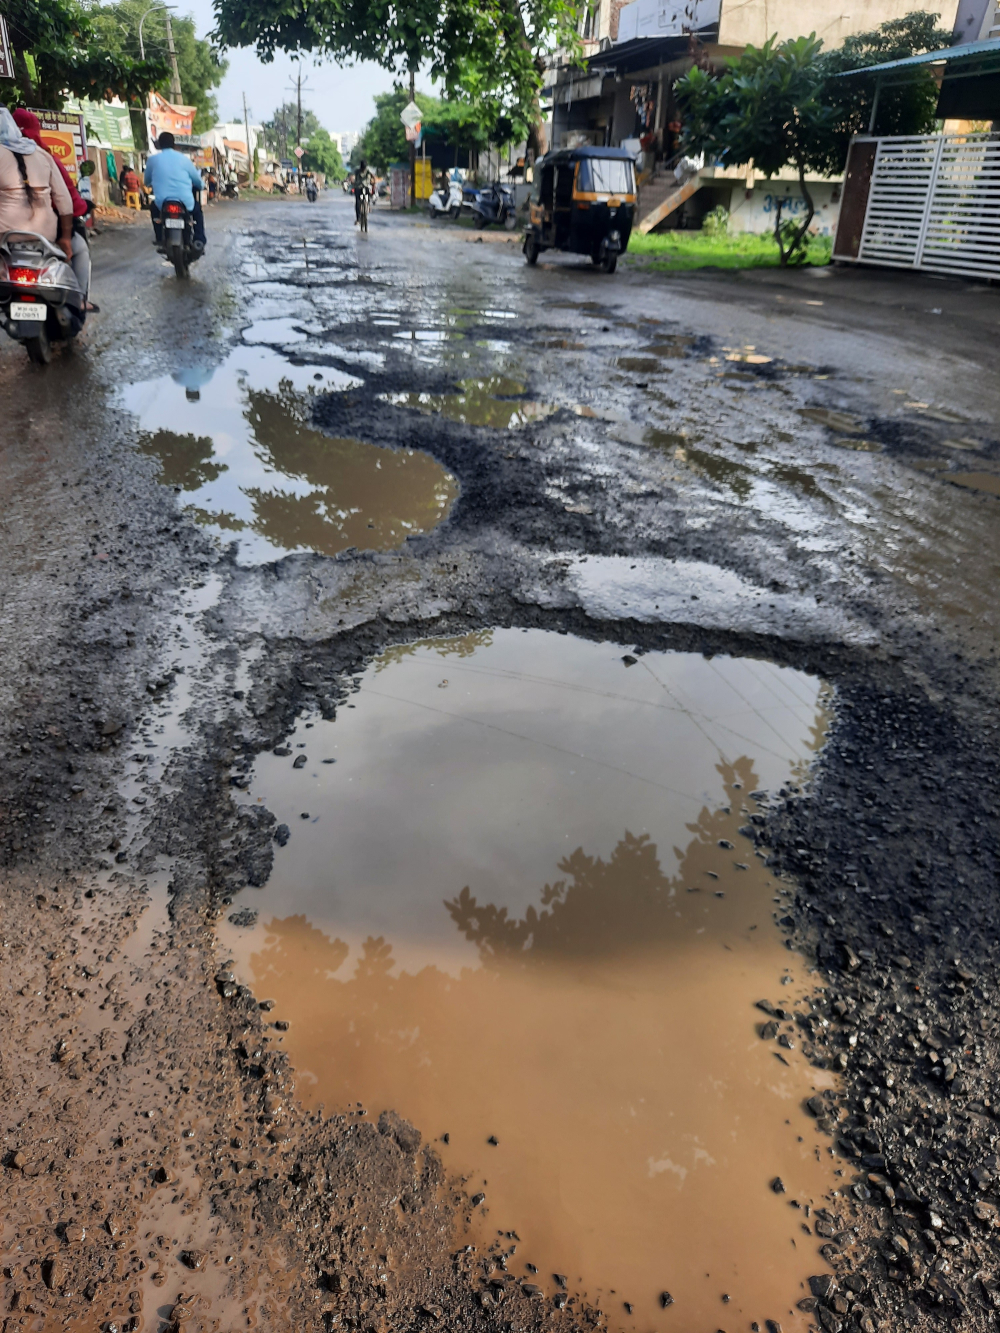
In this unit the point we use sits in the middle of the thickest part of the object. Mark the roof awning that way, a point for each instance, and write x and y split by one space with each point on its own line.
968 75
985 57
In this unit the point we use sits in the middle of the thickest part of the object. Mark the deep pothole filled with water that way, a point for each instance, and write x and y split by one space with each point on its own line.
236 441
516 907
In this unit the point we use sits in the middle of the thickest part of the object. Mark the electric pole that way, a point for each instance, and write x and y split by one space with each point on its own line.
175 77
298 122
246 125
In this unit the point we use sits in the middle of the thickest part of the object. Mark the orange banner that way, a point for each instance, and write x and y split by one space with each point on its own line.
163 115
60 144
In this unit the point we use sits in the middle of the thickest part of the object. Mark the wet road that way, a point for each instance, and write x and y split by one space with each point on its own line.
228 509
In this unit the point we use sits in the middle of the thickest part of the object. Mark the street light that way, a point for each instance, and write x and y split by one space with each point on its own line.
150 10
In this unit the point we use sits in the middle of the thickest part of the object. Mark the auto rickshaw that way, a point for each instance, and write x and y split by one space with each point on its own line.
583 201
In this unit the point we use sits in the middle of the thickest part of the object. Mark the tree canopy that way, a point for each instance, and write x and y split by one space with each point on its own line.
59 52
200 66
488 53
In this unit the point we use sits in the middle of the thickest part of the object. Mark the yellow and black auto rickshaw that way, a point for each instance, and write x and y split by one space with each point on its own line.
583 201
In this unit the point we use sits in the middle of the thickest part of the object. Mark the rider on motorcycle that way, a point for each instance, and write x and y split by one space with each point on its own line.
174 176
364 179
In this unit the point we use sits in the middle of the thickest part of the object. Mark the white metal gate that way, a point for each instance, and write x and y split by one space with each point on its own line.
934 203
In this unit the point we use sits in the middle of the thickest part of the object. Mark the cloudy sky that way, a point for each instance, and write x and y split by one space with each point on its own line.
342 97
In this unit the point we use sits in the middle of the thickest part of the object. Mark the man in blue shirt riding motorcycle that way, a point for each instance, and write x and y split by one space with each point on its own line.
171 175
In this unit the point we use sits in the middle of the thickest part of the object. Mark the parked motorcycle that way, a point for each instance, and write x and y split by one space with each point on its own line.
440 206
495 203
40 298
178 242
232 190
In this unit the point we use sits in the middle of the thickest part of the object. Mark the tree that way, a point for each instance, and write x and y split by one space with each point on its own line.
322 154
282 128
764 109
903 108
200 66
495 48
59 53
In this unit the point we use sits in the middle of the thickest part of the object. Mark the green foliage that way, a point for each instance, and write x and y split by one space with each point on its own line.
59 52
282 129
716 221
488 54
679 251
766 109
322 154
907 108
198 62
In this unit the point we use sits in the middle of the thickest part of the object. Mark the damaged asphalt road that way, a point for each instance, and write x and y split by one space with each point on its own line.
793 468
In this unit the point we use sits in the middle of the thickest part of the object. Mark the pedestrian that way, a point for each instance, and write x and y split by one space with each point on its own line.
131 189
213 186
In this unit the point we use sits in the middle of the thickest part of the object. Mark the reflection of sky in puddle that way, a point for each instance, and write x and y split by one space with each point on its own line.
521 906
235 441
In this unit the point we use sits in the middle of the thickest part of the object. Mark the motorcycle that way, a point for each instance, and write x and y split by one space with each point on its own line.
438 206
178 243
40 298
232 190
495 203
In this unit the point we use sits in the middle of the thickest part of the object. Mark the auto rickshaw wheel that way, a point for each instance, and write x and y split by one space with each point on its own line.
531 248
479 220
610 261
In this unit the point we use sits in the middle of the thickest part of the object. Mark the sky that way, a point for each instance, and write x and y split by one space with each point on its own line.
341 96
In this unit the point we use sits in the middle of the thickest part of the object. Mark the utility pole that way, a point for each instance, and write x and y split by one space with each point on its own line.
298 123
413 144
246 126
175 77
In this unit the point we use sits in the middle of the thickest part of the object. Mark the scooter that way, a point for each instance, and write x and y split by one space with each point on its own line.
232 190
178 243
40 298
438 206
495 203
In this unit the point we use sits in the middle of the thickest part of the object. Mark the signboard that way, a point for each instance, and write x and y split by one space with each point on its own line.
165 116
64 135
299 152
6 55
109 124
665 18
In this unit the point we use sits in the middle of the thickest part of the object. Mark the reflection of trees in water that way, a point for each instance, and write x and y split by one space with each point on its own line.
185 460
362 495
456 645
603 907
599 910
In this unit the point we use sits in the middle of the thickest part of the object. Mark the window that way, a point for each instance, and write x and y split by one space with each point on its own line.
605 175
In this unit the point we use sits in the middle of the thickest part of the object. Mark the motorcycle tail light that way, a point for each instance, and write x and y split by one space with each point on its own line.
174 210
24 277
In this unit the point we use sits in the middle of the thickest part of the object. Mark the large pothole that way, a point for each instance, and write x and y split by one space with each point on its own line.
236 440
517 907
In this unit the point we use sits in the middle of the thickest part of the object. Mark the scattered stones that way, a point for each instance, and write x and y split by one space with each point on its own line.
778 1185
666 1299
194 1259
299 761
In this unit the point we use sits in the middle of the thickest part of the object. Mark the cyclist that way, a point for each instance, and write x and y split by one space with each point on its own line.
364 179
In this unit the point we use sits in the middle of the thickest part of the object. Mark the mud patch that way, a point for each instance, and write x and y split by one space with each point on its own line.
520 904
987 482
235 440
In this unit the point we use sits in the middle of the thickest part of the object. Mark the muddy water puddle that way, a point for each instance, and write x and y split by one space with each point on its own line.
516 907
496 401
236 442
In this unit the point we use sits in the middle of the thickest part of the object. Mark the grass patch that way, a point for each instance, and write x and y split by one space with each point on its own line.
675 251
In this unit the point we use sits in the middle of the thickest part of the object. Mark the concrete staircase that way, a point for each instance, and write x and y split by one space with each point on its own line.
661 195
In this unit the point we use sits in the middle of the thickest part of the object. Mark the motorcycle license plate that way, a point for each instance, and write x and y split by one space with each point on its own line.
28 310
174 224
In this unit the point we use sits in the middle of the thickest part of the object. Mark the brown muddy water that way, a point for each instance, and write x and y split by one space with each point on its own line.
236 442
517 908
